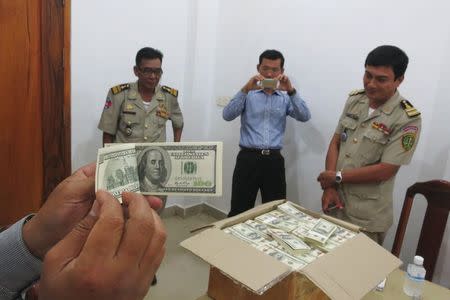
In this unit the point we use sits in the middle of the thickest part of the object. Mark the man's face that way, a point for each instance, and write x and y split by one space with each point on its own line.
148 72
155 164
270 68
380 84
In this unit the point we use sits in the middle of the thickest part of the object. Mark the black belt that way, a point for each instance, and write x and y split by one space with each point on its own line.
261 151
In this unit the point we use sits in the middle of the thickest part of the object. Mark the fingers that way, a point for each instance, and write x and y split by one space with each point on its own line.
156 249
105 236
154 202
87 170
138 228
71 245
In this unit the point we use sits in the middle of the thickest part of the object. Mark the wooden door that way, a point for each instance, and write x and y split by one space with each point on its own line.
34 104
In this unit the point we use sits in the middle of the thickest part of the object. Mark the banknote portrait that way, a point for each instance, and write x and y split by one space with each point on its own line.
154 169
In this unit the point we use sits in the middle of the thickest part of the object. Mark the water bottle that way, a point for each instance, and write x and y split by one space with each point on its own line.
415 278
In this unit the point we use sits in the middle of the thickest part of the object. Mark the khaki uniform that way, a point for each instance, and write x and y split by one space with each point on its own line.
124 115
389 135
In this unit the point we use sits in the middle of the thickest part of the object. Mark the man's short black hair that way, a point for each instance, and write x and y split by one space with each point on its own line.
148 53
272 54
390 56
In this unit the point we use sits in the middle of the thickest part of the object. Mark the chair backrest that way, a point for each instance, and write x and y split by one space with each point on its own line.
437 194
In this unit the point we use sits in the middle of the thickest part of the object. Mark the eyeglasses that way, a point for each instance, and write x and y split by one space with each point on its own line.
149 71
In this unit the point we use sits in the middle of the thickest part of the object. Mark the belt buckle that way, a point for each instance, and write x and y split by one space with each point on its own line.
265 151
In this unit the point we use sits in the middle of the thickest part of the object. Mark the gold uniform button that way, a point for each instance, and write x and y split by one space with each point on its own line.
146 126
129 122
355 140
145 138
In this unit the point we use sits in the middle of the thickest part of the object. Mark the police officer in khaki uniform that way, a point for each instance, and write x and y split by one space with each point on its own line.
377 133
138 112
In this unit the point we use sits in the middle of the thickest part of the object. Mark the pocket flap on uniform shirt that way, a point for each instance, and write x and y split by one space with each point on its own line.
349 123
377 136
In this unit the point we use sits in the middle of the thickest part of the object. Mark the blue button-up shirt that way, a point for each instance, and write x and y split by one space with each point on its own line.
263 116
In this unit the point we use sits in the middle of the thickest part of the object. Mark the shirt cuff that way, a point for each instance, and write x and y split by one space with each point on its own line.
19 267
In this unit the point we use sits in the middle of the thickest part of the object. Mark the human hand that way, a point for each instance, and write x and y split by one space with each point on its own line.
69 203
327 179
252 84
330 198
107 255
285 83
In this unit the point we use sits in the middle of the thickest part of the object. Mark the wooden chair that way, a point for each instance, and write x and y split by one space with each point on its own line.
437 194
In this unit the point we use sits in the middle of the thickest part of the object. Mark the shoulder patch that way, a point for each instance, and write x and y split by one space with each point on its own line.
170 90
119 88
410 110
357 92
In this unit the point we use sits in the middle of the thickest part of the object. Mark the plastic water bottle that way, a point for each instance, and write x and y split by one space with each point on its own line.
415 278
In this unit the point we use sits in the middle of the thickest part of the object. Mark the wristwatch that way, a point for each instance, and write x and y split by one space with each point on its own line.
338 177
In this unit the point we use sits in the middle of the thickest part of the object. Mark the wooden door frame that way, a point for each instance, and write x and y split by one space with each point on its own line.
56 137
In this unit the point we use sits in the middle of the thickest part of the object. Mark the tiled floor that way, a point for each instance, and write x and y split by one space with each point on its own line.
182 275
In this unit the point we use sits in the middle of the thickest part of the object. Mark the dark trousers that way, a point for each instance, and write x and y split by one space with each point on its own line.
255 171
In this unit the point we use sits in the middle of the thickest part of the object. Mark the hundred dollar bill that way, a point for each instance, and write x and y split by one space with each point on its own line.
289 242
186 168
321 232
294 263
248 233
278 220
299 215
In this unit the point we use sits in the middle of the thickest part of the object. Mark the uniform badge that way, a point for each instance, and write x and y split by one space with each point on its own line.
119 88
409 137
130 107
128 131
108 103
162 111
170 90
381 127
410 110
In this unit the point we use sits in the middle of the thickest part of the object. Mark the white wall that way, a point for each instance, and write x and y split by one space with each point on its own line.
211 49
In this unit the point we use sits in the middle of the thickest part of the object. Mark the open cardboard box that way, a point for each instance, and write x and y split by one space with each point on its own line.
239 271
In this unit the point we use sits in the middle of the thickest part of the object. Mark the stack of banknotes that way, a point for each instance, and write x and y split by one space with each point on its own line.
290 235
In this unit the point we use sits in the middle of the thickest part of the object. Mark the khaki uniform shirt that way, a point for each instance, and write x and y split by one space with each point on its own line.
389 135
124 115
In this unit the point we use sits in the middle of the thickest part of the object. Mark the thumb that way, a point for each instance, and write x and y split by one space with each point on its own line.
72 244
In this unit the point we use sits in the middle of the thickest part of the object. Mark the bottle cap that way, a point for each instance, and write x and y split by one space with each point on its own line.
418 260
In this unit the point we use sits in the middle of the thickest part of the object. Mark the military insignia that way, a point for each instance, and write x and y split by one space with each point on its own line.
352 116
170 90
130 107
119 88
408 140
108 103
410 110
128 131
162 111
357 92
381 127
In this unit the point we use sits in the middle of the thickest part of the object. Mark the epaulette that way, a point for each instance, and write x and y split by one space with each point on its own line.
410 110
357 92
170 90
118 88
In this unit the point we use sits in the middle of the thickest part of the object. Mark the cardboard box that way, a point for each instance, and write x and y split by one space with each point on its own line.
239 271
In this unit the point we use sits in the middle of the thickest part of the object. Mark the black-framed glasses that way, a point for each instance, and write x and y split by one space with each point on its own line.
149 71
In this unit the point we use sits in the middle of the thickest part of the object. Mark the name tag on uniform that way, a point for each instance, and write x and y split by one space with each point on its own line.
129 112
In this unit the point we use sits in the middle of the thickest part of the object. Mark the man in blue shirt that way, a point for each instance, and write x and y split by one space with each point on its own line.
263 110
